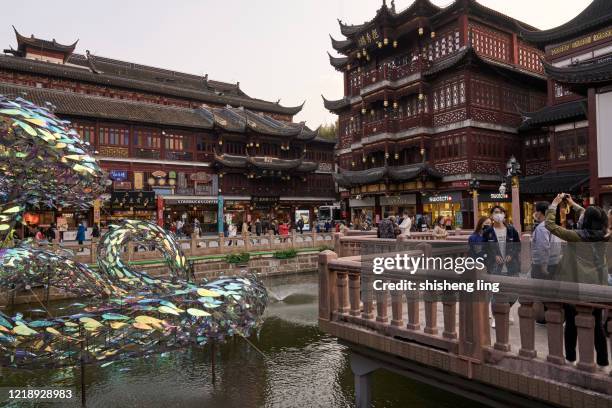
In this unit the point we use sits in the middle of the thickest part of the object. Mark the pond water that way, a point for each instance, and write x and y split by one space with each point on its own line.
290 364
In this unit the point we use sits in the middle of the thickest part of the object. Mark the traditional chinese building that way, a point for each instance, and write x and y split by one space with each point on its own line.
432 99
567 143
172 141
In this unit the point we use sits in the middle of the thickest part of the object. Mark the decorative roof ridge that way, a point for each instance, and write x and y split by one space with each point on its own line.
598 12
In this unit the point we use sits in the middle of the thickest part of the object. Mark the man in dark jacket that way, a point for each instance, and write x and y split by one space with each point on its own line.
258 227
300 225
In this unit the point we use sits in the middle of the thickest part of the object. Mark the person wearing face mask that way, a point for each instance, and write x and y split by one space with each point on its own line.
439 230
475 240
503 258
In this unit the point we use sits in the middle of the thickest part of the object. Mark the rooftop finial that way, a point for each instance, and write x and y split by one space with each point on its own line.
393 5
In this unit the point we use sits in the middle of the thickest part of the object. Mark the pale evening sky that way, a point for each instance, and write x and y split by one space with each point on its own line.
275 48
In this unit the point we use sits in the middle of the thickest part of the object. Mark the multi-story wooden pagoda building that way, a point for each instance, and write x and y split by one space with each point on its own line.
432 99
567 144
175 145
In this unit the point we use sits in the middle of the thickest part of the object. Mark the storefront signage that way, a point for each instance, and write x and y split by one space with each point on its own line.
137 200
201 177
159 174
122 185
365 202
138 181
62 224
406 199
444 198
96 212
220 215
160 211
118 175
494 197
264 201
194 201
305 216
580 42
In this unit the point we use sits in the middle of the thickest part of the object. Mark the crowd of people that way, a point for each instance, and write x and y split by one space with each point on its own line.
573 252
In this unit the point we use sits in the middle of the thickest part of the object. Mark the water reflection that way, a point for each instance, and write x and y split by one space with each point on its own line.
302 367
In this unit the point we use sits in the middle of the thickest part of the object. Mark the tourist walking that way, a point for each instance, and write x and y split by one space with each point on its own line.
95 231
300 225
545 247
406 225
80 237
583 261
386 229
258 227
503 258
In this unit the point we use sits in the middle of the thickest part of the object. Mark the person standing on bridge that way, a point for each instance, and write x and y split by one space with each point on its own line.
583 261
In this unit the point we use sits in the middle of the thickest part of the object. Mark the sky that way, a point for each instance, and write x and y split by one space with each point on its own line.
274 48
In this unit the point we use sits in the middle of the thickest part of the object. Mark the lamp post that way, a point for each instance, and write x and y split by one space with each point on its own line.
474 186
513 170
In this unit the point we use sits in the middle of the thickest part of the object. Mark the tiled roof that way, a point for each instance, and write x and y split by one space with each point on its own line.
142 78
75 104
228 118
334 105
554 182
347 179
551 115
597 14
591 72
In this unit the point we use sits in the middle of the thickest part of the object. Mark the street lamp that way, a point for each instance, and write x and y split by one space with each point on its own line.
513 170
474 186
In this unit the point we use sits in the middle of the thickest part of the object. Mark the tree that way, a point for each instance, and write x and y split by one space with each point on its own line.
328 131
42 162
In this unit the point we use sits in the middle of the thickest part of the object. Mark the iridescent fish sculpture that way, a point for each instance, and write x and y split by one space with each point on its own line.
128 313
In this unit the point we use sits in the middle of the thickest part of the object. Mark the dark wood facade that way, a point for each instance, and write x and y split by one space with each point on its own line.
577 65
169 132
441 89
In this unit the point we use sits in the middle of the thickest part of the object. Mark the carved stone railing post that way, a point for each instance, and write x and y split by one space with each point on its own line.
585 323
501 314
474 328
397 308
526 314
381 306
554 329
412 303
337 244
449 310
354 289
431 317
193 246
343 292
247 241
367 298
327 285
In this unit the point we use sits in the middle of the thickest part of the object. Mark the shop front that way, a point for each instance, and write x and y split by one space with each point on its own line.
269 208
405 204
237 210
363 209
489 199
191 208
448 205
140 205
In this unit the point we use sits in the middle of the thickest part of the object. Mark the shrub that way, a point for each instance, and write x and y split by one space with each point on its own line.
240 258
285 254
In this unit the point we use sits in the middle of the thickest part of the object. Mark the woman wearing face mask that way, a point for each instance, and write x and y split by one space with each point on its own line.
583 261
475 240
439 230
503 258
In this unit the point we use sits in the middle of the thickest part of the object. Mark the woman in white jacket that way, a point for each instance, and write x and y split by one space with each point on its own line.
406 225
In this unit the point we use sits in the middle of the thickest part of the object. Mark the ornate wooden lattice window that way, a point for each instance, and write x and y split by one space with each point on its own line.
236 148
449 94
530 58
86 131
489 42
485 93
572 144
113 136
537 147
178 146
